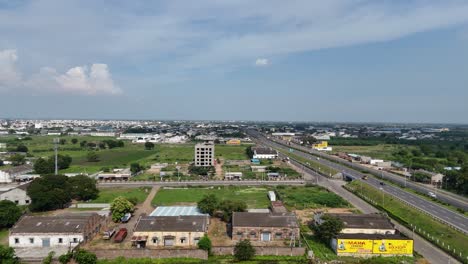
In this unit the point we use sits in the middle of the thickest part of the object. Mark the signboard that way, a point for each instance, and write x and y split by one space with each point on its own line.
401 247
359 246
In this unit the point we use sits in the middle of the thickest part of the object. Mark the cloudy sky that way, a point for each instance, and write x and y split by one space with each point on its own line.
311 60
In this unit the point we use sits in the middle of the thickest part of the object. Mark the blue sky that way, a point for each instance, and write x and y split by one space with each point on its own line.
334 60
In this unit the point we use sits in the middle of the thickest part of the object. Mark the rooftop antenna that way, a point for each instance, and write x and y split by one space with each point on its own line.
56 142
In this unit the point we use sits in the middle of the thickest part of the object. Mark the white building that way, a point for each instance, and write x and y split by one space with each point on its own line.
9 175
264 153
55 231
204 154
272 196
16 194
233 176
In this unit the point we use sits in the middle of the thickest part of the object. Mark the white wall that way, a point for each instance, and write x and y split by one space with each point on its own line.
5 177
24 240
16 195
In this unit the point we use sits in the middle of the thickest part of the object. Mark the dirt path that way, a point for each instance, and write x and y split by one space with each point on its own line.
146 207
219 169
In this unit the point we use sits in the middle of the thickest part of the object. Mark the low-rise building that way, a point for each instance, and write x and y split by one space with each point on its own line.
264 226
233 176
258 168
16 194
362 223
169 231
69 230
233 142
322 146
9 175
115 175
264 153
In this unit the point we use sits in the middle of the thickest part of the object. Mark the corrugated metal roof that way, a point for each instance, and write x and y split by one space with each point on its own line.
176 211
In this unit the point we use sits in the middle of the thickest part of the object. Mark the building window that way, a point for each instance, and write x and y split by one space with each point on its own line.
75 240
31 240
60 240
253 234
182 240
26 201
16 202
16 240
155 240
278 235
196 240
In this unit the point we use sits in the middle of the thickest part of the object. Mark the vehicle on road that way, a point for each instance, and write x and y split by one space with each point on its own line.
121 235
382 183
126 218
364 177
431 194
108 234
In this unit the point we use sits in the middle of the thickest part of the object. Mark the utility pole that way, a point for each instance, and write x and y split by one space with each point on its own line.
56 142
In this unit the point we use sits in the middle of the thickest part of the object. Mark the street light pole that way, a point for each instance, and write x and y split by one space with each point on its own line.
56 141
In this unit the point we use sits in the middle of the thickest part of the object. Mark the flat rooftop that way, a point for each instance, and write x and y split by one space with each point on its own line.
177 211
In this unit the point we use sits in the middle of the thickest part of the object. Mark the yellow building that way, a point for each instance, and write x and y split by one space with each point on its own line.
233 142
169 231
323 145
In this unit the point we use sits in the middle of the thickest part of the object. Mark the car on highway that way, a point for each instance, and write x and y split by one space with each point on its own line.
431 194
364 177
382 183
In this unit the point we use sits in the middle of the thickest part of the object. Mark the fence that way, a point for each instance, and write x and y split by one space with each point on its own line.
148 253
90 205
263 251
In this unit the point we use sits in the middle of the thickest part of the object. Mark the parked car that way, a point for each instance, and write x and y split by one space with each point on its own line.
364 177
121 235
431 194
108 234
126 218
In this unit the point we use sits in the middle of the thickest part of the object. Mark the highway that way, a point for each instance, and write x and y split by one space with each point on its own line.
446 197
449 217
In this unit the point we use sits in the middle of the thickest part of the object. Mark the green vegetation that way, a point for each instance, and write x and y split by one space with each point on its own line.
228 152
4 236
9 213
244 251
328 229
107 195
379 151
327 171
254 197
211 205
211 260
119 207
247 172
7 255
205 244
425 225
309 197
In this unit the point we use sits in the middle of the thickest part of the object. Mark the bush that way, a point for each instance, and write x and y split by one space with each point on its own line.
119 207
9 213
205 244
65 258
7 255
49 258
244 250
85 257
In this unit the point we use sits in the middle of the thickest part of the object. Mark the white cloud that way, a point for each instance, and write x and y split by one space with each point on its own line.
9 76
262 62
77 80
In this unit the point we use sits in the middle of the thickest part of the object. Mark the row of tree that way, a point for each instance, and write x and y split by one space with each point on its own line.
47 165
212 205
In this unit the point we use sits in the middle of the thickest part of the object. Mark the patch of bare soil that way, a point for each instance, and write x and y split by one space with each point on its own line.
217 231
307 215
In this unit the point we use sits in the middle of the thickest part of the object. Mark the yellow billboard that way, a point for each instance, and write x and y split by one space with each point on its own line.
359 246
397 247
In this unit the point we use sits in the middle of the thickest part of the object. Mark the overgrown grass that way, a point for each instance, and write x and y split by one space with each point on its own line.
425 225
255 197
300 197
231 152
4 236
106 195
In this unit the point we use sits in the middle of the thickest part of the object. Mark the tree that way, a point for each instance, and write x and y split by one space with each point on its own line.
135 168
229 206
74 141
149 145
1 163
17 159
209 204
47 166
102 145
85 257
329 228
120 144
65 258
49 192
7 255
205 244
83 188
244 250
22 148
92 156
119 207
83 143
49 258
62 141
9 213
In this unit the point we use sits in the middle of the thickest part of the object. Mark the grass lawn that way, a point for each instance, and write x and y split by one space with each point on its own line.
4 236
425 225
381 151
309 197
255 197
106 195
229 152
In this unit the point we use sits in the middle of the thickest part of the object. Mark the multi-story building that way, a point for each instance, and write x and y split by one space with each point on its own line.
204 154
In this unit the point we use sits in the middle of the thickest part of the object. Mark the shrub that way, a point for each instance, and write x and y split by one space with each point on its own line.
244 250
205 244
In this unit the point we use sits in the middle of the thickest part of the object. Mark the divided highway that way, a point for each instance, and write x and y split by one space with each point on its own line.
453 219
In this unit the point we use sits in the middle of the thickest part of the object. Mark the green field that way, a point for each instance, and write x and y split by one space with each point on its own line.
42 146
254 197
381 151
106 195
425 225
311 164
295 197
